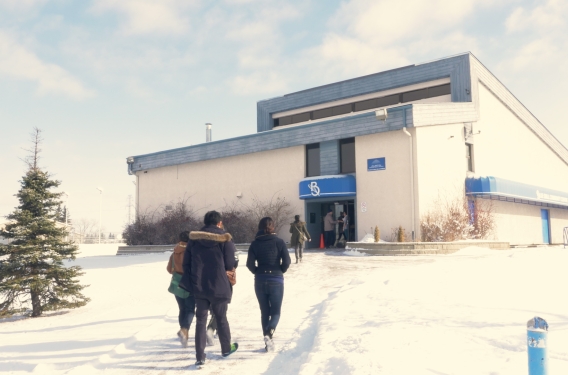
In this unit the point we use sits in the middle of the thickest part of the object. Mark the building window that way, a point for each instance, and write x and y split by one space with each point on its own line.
404 97
347 155
312 160
469 156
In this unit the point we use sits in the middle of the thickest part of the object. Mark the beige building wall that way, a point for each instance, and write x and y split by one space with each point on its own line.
441 165
508 149
385 193
212 184
522 223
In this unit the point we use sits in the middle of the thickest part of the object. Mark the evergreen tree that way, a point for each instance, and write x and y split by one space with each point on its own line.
31 265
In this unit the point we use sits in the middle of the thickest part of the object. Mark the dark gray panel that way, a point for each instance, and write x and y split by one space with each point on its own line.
286 120
300 117
341 109
388 100
439 91
414 95
365 104
329 157
322 113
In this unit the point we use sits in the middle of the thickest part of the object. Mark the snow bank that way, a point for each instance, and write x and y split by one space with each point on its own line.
91 250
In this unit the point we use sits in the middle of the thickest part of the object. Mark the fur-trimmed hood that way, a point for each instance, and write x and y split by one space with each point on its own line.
199 235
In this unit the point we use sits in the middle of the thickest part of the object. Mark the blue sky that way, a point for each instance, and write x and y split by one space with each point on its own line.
105 79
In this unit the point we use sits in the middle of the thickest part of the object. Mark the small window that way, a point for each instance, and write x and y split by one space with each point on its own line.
286 120
322 113
388 100
347 155
414 95
312 160
341 109
469 156
366 104
300 117
439 91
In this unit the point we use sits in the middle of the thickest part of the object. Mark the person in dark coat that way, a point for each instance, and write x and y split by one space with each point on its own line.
268 260
299 235
209 255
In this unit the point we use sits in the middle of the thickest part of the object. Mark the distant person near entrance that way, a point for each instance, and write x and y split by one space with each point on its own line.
346 226
299 235
329 229
340 226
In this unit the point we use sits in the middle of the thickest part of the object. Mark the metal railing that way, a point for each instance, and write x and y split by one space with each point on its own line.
565 237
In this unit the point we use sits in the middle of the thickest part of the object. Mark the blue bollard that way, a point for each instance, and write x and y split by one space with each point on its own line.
537 330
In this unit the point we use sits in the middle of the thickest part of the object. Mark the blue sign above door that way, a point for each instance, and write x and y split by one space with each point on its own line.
327 187
376 164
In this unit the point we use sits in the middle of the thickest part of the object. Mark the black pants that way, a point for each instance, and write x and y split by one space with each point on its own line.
329 238
186 311
269 295
341 234
219 309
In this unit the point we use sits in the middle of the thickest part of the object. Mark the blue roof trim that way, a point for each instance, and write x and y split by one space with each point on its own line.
511 191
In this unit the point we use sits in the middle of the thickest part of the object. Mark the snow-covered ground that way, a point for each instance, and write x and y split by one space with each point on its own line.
463 314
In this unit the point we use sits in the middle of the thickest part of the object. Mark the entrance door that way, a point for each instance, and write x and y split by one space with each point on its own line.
315 213
545 216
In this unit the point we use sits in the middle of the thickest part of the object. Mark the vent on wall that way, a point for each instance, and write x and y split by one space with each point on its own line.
403 97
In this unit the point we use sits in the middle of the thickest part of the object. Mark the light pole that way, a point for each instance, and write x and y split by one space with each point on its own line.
100 211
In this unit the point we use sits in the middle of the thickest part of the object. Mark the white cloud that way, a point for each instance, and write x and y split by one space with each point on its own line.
541 19
367 36
148 16
388 21
261 82
21 4
16 62
542 31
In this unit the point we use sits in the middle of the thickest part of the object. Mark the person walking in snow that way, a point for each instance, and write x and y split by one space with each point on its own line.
329 229
212 326
209 255
299 235
186 305
268 260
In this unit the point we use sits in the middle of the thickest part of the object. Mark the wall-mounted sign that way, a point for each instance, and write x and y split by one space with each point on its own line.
327 187
376 164
363 206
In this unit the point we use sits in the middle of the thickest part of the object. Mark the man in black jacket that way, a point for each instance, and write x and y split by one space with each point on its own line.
210 253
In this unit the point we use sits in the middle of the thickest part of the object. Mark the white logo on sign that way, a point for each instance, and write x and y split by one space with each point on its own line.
314 188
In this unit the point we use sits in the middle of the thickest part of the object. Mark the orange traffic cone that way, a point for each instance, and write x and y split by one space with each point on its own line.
322 245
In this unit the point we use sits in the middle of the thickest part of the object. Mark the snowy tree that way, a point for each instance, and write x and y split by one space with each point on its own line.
31 265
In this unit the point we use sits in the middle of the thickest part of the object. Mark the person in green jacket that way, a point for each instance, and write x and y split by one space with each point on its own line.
299 235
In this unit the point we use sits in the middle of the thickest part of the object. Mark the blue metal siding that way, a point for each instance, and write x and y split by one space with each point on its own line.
331 130
457 68
329 157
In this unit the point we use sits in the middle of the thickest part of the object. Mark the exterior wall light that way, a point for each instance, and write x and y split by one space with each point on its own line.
381 114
